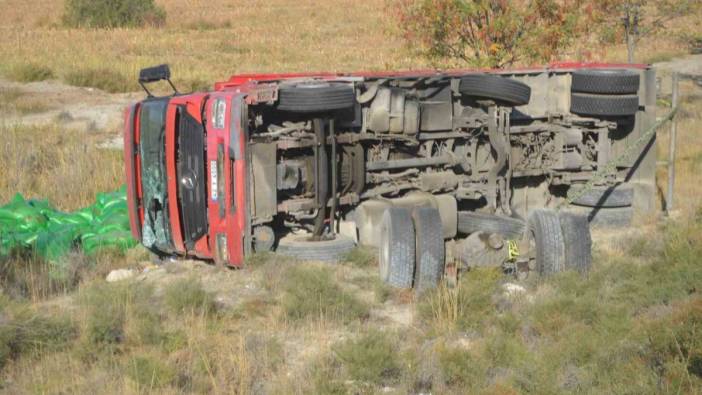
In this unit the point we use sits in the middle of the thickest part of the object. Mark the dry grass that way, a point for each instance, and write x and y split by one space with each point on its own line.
14 102
62 165
689 151
206 41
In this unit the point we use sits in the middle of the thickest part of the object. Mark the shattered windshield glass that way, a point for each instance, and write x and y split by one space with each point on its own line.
156 229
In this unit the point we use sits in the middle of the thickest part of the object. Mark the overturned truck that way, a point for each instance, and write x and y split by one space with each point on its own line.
437 170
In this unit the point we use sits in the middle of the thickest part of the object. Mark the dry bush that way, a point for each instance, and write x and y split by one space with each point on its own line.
311 293
187 296
362 257
26 333
112 13
30 72
464 307
372 357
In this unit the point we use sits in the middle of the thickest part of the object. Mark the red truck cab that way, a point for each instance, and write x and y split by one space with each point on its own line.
186 175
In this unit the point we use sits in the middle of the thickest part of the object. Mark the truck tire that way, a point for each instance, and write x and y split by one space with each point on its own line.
602 81
471 222
604 105
577 241
621 195
301 247
501 89
430 254
315 97
397 248
618 217
546 239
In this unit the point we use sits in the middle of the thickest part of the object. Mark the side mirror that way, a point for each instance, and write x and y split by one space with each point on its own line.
154 74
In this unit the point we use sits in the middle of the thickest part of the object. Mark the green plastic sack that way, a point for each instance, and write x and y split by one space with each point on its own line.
37 226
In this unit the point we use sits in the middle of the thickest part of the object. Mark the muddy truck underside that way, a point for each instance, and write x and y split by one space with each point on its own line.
439 171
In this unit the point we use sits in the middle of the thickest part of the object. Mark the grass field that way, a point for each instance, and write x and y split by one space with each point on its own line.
206 41
633 326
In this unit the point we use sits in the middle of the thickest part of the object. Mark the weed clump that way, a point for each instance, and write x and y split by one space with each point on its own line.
113 13
24 332
370 358
464 307
148 372
361 257
188 296
459 367
30 72
311 292
116 311
103 78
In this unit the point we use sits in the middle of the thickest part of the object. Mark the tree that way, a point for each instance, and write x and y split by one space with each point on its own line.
642 18
494 33
499 33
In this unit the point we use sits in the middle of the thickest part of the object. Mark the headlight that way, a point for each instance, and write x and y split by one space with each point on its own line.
219 108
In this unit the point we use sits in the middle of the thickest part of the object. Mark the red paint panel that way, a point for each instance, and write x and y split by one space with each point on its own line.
243 79
236 183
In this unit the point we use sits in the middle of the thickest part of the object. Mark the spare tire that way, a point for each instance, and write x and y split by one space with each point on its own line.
603 81
502 90
472 221
315 97
604 105
617 196
301 247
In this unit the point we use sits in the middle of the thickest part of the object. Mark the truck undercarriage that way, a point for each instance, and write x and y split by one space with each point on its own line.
333 160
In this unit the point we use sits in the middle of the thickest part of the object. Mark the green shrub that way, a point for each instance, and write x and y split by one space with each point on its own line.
104 79
459 368
259 259
467 306
188 296
361 257
370 358
30 72
24 332
149 372
311 292
115 310
112 13
325 377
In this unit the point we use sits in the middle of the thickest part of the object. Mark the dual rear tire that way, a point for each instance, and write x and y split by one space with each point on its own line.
411 252
604 93
559 241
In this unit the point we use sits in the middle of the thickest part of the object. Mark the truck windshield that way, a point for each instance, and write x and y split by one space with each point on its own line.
156 231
